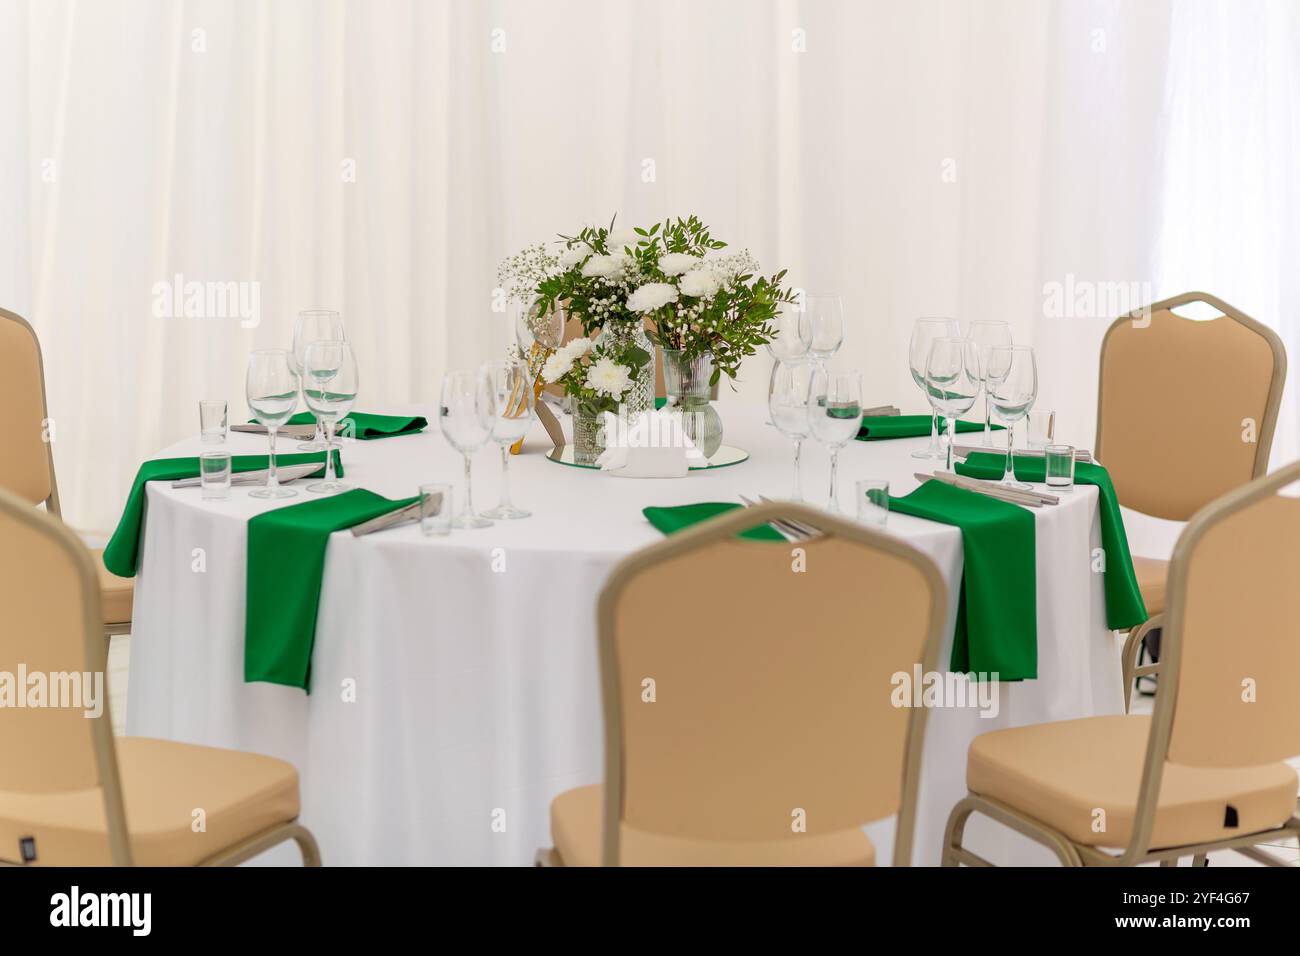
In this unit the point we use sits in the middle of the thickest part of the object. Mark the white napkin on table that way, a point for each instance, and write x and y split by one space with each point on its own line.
656 446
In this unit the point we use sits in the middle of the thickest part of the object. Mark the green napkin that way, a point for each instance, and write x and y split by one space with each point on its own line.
286 558
365 427
1124 605
997 605
881 427
123 549
670 520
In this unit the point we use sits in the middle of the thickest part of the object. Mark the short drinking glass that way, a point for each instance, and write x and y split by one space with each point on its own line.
214 475
1042 428
435 508
1059 466
873 501
212 422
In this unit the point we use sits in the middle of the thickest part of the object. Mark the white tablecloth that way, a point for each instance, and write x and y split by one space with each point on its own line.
474 656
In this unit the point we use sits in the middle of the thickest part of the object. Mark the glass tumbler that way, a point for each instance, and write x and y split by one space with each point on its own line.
873 501
212 422
1042 428
214 475
1060 466
435 509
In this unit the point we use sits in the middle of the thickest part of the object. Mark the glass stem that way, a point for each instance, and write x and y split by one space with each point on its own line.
271 480
505 502
934 433
988 422
1009 472
798 493
833 501
330 477
947 458
468 509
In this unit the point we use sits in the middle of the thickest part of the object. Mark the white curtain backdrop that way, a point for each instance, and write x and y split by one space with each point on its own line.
382 157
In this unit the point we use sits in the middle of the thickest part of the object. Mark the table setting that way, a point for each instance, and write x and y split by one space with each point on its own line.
351 606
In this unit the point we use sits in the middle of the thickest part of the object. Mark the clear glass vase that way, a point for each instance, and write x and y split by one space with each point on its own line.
588 435
686 381
641 396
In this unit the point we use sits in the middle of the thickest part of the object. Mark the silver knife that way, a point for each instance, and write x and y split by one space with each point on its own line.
290 431
285 474
391 520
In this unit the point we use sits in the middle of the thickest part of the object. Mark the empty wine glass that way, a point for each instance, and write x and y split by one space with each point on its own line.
787 400
952 377
986 333
834 416
538 330
465 417
314 325
329 384
826 325
791 332
1013 395
271 387
924 332
510 391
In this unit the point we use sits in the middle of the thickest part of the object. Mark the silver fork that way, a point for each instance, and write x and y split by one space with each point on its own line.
789 530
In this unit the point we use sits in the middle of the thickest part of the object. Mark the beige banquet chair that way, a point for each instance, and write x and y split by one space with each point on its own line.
27 466
749 714
1206 770
72 794
1185 413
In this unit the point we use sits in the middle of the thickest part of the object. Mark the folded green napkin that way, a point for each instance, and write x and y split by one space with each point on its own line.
286 558
365 427
997 604
670 520
1124 605
881 427
122 551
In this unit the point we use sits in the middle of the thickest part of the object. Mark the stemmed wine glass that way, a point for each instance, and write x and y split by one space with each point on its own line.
787 400
329 384
510 392
537 331
834 416
986 333
1015 386
924 332
952 378
465 417
271 386
314 325
791 333
826 323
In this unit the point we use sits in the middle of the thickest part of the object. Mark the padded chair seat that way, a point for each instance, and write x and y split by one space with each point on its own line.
576 821
1151 574
115 594
163 783
1061 773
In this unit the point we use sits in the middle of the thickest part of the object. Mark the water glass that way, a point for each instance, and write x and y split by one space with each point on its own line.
1042 428
214 475
212 422
873 501
1060 466
435 508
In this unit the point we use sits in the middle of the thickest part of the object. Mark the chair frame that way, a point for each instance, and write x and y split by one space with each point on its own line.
721 527
1137 636
101 729
1166 702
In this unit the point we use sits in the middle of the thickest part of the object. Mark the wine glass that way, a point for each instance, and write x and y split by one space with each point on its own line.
329 384
924 332
271 386
787 400
826 324
952 378
791 332
834 416
986 333
314 325
536 330
465 417
510 392
1012 395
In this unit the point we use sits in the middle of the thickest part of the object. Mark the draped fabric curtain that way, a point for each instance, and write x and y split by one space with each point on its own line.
1034 162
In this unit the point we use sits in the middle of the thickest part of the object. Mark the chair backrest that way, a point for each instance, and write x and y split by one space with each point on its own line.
1185 408
27 465
745 681
52 644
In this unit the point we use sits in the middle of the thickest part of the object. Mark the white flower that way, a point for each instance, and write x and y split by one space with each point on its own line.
675 263
651 296
557 366
571 257
607 377
701 283
620 238
577 348
603 266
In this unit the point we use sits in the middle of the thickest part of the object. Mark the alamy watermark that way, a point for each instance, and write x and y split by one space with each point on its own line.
1089 299
947 689
59 690
181 299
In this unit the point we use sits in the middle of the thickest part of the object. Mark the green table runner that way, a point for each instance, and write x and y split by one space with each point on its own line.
997 603
670 520
286 558
1124 605
122 552
881 427
365 427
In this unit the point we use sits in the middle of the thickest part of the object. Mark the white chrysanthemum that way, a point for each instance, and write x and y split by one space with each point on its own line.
700 283
620 238
675 263
571 257
651 296
607 377
577 348
603 266
557 366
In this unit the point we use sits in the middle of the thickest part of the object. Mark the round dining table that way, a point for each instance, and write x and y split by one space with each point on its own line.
455 685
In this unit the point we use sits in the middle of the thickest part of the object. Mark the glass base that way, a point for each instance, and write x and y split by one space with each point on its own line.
930 454
987 441
328 487
1017 486
507 512
312 446
277 492
471 521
